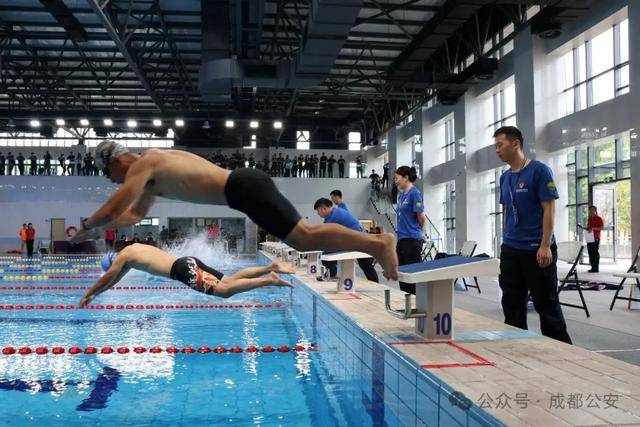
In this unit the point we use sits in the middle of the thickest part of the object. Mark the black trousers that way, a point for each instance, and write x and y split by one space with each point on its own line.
594 255
409 251
29 247
520 275
366 265
341 171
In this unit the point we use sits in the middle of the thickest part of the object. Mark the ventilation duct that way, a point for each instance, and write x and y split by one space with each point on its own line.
328 25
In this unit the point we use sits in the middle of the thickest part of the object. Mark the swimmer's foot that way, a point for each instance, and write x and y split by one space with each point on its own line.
387 256
282 267
276 280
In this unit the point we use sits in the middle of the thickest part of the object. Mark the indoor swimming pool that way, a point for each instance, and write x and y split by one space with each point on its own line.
153 352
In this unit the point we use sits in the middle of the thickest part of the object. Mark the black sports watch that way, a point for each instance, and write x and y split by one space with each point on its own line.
84 224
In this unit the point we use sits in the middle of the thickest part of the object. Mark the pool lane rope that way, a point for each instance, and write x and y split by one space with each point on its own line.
82 288
75 350
11 307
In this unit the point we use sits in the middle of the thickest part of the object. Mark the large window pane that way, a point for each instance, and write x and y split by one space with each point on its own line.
624 76
581 63
583 190
604 166
603 88
569 101
582 93
568 69
602 52
624 41
510 100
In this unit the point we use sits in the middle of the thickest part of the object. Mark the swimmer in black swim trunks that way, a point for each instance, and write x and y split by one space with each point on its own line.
181 175
188 270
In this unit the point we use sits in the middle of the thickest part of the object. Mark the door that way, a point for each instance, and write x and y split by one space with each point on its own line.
57 231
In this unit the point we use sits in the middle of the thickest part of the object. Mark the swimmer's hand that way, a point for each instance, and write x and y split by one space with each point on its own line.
86 300
83 235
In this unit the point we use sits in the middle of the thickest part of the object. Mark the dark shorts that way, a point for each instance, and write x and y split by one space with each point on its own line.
188 270
253 192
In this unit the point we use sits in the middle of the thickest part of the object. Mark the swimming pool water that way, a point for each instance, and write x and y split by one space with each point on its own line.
288 388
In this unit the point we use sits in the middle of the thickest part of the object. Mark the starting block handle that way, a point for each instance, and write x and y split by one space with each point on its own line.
407 313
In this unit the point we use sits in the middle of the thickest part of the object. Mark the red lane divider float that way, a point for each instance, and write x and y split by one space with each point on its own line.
82 288
141 307
75 350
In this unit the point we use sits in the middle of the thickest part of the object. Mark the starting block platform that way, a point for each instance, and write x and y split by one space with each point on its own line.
434 292
347 267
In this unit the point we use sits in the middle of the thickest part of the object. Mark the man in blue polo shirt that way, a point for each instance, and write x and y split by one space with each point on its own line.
336 198
528 253
325 209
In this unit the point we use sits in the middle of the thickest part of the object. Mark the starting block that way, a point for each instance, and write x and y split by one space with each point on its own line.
314 266
347 267
433 313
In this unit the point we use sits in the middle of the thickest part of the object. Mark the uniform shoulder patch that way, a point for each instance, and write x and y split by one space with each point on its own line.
551 185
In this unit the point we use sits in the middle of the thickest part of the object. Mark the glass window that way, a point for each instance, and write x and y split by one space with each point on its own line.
603 88
510 100
624 41
567 59
581 63
602 52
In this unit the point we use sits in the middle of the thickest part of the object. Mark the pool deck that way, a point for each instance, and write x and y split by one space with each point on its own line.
520 377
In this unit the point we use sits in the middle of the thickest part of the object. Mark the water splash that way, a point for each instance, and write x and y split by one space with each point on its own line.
213 253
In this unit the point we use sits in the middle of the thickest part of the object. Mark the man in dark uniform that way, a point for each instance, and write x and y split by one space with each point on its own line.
33 166
72 160
323 166
331 163
3 160
528 253
11 162
47 163
21 163
341 167
62 162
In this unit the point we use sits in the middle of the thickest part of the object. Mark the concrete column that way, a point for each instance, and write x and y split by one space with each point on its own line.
634 81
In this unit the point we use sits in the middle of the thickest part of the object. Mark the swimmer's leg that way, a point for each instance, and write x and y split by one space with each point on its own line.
334 237
251 272
229 286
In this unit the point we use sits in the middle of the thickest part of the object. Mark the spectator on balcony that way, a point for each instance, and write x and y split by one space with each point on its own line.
331 161
78 164
11 162
323 166
359 173
20 163
47 163
288 165
341 163
71 161
3 160
33 166
63 164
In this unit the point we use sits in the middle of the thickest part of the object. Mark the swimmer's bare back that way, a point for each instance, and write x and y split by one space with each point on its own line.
147 258
181 175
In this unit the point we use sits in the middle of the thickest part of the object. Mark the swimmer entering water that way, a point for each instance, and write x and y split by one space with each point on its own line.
181 175
188 270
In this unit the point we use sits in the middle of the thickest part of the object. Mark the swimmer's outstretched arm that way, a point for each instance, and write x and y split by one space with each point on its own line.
128 199
118 269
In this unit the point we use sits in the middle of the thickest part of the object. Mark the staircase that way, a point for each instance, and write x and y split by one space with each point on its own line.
387 214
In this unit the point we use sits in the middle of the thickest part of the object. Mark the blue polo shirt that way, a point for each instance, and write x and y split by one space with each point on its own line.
344 206
521 195
344 218
409 204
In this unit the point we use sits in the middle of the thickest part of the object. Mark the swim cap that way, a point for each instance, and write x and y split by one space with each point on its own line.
106 152
107 260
